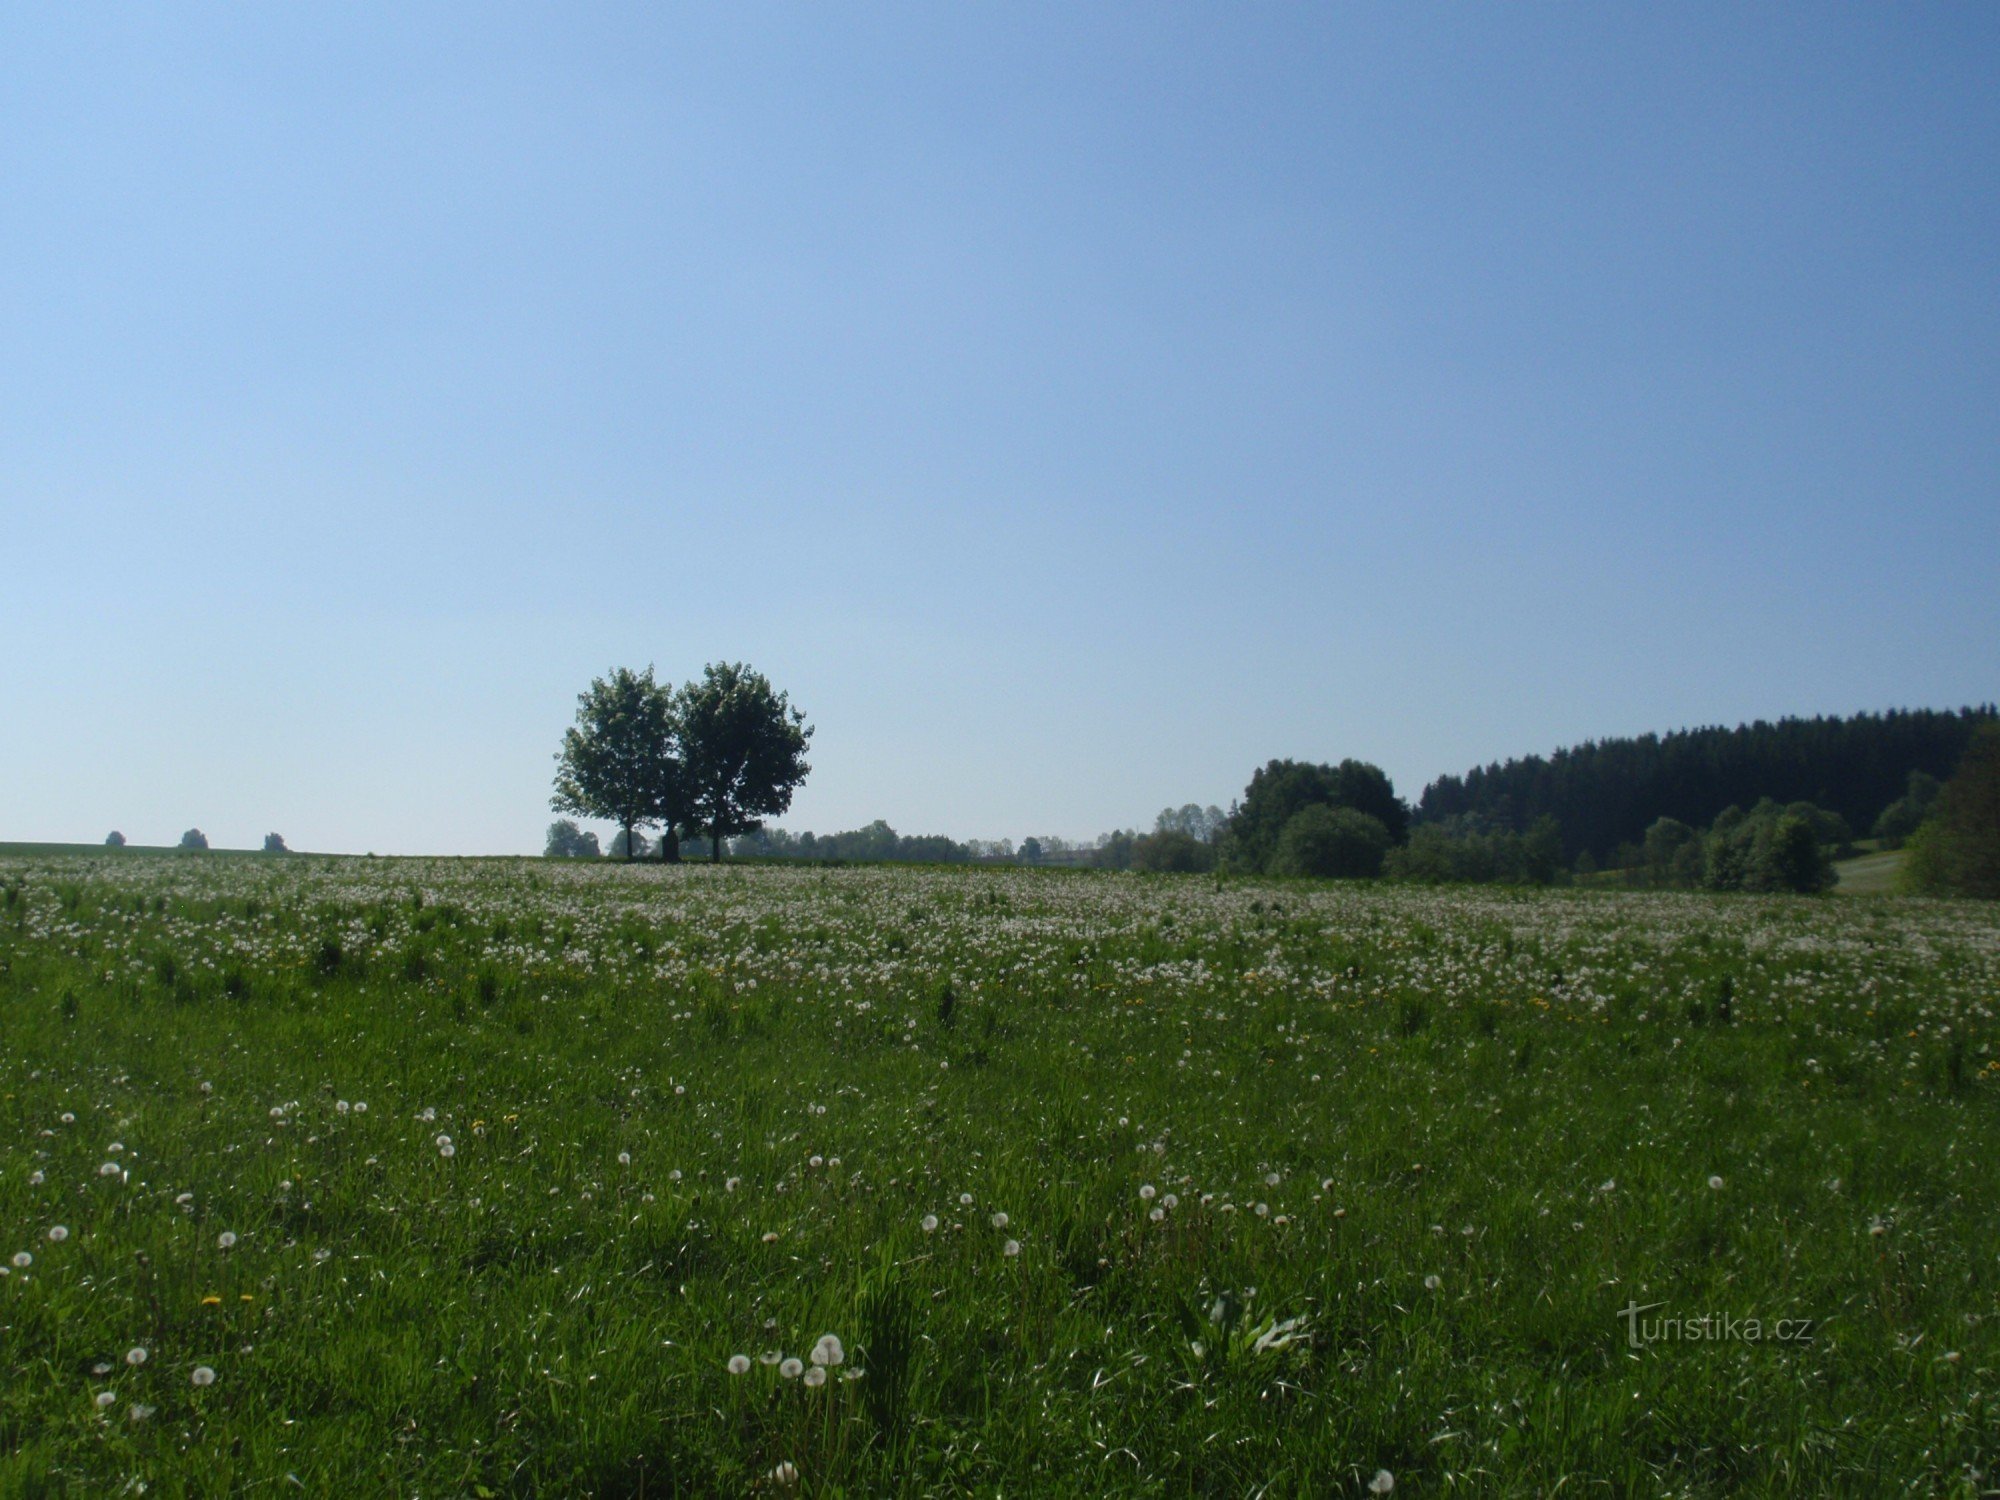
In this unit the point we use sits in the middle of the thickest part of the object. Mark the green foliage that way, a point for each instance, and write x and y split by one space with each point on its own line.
621 760
274 843
1171 851
745 749
1906 814
194 838
1412 1153
1606 793
1461 851
115 839
1957 851
1282 789
1332 842
1769 849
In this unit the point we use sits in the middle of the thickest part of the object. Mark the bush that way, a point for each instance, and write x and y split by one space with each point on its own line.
274 843
1333 842
194 838
1172 851
115 839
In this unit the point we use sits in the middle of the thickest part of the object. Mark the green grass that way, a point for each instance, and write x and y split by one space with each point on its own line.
1872 874
1421 1147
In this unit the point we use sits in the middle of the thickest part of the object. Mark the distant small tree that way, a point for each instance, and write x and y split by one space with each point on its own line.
1031 850
744 750
1335 842
630 843
194 838
274 843
115 839
567 841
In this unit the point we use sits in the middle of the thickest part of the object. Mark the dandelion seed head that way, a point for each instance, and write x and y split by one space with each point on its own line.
999 1221
106 1400
739 1364
58 1233
225 1240
1011 1248
1382 1483
1716 1183
791 1368
828 1351
136 1355
202 1375
23 1260
930 1223
1147 1191
815 1376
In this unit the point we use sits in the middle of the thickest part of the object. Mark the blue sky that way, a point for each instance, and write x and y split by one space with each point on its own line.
1072 407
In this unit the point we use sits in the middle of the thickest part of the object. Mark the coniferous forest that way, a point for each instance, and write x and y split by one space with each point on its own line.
1606 793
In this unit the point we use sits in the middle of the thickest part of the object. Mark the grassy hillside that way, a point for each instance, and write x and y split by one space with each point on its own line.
1871 874
468 1178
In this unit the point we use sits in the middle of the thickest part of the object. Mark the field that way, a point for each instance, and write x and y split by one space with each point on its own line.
359 1177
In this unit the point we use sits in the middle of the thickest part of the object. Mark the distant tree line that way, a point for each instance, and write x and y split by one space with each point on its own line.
1955 849
1607 793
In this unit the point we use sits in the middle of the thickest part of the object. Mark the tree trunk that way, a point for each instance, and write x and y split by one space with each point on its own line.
628 843
670 846
715 848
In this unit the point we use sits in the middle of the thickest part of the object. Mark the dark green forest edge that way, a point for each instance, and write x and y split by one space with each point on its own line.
1761 807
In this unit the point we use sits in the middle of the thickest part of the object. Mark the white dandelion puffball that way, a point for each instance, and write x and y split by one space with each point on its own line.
828 1351
1272 1179
35 1178
341 1106
68 1118
965 1200
1716 1183
1146 1193
202 1375
136 1355
791 1368
208 1088
443 1140
930 1223
1157 1214
1171 1200
109 1169
225 1240
731 1184
739 1364
447 1150
769 1357
58 1233
815 1377
106 1400
815 1161
1382 1483
786 1474
999 1221
1432 1283
137 1412
1011 1248
624 1158
361 1106
23 1260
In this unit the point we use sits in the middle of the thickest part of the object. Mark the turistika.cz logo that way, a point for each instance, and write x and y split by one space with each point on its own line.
1710 1328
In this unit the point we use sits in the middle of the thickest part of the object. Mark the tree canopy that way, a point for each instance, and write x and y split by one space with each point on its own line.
1280 790
745 751
619 761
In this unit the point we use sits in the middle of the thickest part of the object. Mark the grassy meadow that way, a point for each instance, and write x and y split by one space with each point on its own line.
482 1178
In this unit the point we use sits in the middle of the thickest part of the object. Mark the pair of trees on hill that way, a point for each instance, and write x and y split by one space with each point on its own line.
716 756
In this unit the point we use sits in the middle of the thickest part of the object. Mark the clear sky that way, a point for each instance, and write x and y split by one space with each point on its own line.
1071 406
